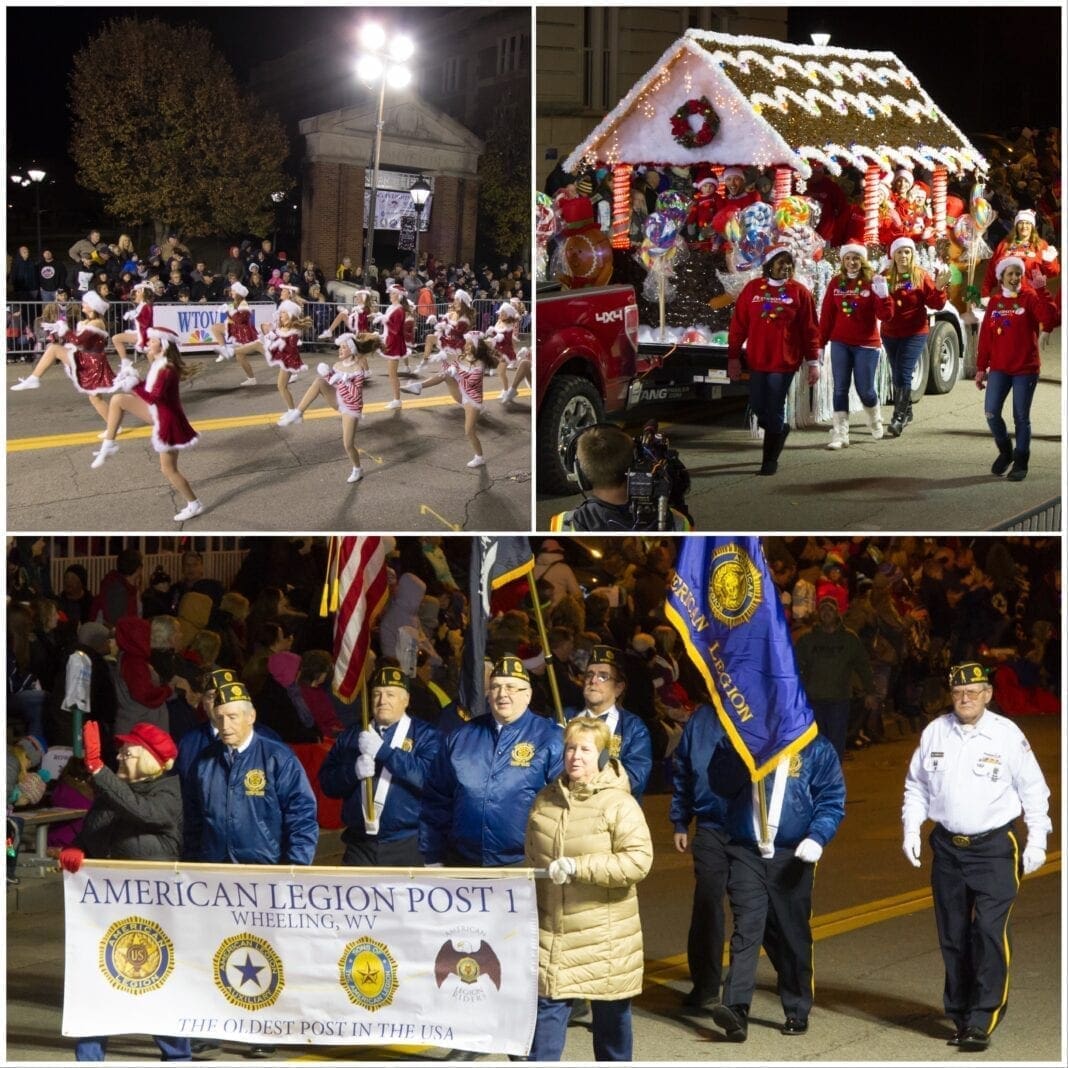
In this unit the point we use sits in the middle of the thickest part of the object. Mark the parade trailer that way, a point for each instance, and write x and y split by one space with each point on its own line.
714 100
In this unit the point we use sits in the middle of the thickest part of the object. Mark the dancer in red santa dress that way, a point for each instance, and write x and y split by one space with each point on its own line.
140 319
394 345
238 332
357 319
281 347
508 359
1007 359
157 401
1025 244
83 356
341 386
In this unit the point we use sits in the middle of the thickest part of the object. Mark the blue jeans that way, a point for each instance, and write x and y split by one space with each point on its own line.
171 1049
857 362
612 1035
903 354
767 398
998 386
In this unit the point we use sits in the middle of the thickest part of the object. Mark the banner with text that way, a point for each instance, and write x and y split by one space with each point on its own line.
193 322
307 955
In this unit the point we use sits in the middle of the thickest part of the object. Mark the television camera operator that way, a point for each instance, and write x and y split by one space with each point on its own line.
629 483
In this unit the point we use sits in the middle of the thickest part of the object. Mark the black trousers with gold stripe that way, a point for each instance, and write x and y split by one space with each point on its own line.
974 888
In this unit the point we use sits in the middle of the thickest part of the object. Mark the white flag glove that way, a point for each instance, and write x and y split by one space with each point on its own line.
879 286
911 848
369 743
365 767
808 850
560 871
1033 859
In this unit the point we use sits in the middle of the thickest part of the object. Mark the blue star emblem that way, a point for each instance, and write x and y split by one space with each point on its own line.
249 971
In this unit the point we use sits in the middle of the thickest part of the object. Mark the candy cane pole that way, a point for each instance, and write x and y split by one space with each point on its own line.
621 205
871 205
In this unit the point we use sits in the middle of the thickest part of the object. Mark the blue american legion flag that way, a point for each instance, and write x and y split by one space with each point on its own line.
726 609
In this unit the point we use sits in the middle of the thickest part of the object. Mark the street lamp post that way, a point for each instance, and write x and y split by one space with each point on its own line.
277 197
420 194
382 62
34 176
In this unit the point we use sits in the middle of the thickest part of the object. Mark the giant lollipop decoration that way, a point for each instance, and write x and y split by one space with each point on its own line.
659 249
982 215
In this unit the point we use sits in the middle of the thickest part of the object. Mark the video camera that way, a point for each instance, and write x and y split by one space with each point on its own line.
656 480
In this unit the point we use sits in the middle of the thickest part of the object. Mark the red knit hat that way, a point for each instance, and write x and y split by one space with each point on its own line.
156 740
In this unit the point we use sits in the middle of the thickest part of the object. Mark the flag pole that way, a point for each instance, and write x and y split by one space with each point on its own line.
762 797
547 651
369 784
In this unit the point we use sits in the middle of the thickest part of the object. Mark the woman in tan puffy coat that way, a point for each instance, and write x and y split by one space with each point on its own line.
592 836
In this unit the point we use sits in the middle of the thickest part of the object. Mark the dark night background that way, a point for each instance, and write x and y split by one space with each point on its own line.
960 54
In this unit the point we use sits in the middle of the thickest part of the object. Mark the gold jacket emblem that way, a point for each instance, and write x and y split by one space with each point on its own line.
255 782
794 769
522 755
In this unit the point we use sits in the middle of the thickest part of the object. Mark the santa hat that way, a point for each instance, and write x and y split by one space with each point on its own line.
94 300
903 242
290 307
164 334
346 341
286 287
1006 263
776 250
507 311
904 172
922 186
142 285
733 172
705 179
238 289
860 250
462 296
1025 215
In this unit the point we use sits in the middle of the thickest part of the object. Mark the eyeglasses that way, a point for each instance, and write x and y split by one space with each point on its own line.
968 695
501 687
598 676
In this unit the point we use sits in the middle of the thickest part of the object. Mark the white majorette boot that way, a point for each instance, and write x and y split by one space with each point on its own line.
29 382
292 415
357 474
839 430
412 387
874 416
105 450
193 508
478 461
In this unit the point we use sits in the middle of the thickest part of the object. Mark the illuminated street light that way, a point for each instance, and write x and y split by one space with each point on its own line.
34 176
381 63
420 194
821 40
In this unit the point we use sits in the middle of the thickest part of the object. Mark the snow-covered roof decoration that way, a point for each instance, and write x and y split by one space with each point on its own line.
780 104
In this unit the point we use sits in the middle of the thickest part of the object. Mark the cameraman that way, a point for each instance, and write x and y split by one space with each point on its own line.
605 455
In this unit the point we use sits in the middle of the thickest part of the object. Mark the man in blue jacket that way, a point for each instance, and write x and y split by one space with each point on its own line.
805 804
478 793
248 799
604 683
395 754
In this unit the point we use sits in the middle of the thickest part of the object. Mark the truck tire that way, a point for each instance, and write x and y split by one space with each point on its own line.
943 348
920 373
570 404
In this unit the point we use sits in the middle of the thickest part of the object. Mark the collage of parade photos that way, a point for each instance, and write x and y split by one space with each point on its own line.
558 553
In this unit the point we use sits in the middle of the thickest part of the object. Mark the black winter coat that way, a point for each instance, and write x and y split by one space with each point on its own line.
133 821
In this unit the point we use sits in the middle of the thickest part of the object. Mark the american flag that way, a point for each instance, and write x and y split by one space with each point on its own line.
358 592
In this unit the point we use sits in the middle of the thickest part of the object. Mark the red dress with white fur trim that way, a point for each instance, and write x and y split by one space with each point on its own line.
171 431
239 326
92 373
394 347
143 320
286 355
452 338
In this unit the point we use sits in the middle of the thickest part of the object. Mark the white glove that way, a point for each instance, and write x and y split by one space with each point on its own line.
808 850
369 743
879 286
365 767
322 369
911 848
560 871
1049 254
431 320
1033 859
130 315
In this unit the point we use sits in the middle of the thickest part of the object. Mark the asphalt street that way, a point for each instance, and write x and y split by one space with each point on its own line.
936 476
878 971
254 475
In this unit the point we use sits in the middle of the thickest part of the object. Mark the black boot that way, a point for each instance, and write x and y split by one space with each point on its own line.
1001 464
772 448
1019 466
782 440
901 418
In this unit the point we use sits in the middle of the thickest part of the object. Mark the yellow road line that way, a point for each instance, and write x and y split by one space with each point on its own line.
89 437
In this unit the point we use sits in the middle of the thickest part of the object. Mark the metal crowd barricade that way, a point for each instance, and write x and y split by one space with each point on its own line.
1044 518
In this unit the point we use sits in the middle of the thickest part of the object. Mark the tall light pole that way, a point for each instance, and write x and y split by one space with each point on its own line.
381 63
420 194
34 176
277 197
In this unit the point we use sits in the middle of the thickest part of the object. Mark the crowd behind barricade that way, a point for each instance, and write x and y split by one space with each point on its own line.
178 276
149 673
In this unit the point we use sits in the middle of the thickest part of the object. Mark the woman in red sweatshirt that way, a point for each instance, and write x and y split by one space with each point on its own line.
1007 358
775 318
1025 244
856 300
912 291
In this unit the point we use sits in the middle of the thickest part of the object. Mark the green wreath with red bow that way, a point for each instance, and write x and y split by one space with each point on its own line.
683 131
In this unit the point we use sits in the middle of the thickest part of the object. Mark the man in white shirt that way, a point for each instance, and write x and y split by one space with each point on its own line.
973 774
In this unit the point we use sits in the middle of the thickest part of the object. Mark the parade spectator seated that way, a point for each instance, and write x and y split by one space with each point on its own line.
280 704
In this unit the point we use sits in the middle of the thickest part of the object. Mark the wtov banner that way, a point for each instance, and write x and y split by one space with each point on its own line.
192 322
308 955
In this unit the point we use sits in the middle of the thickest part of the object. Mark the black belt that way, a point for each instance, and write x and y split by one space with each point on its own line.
965 841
